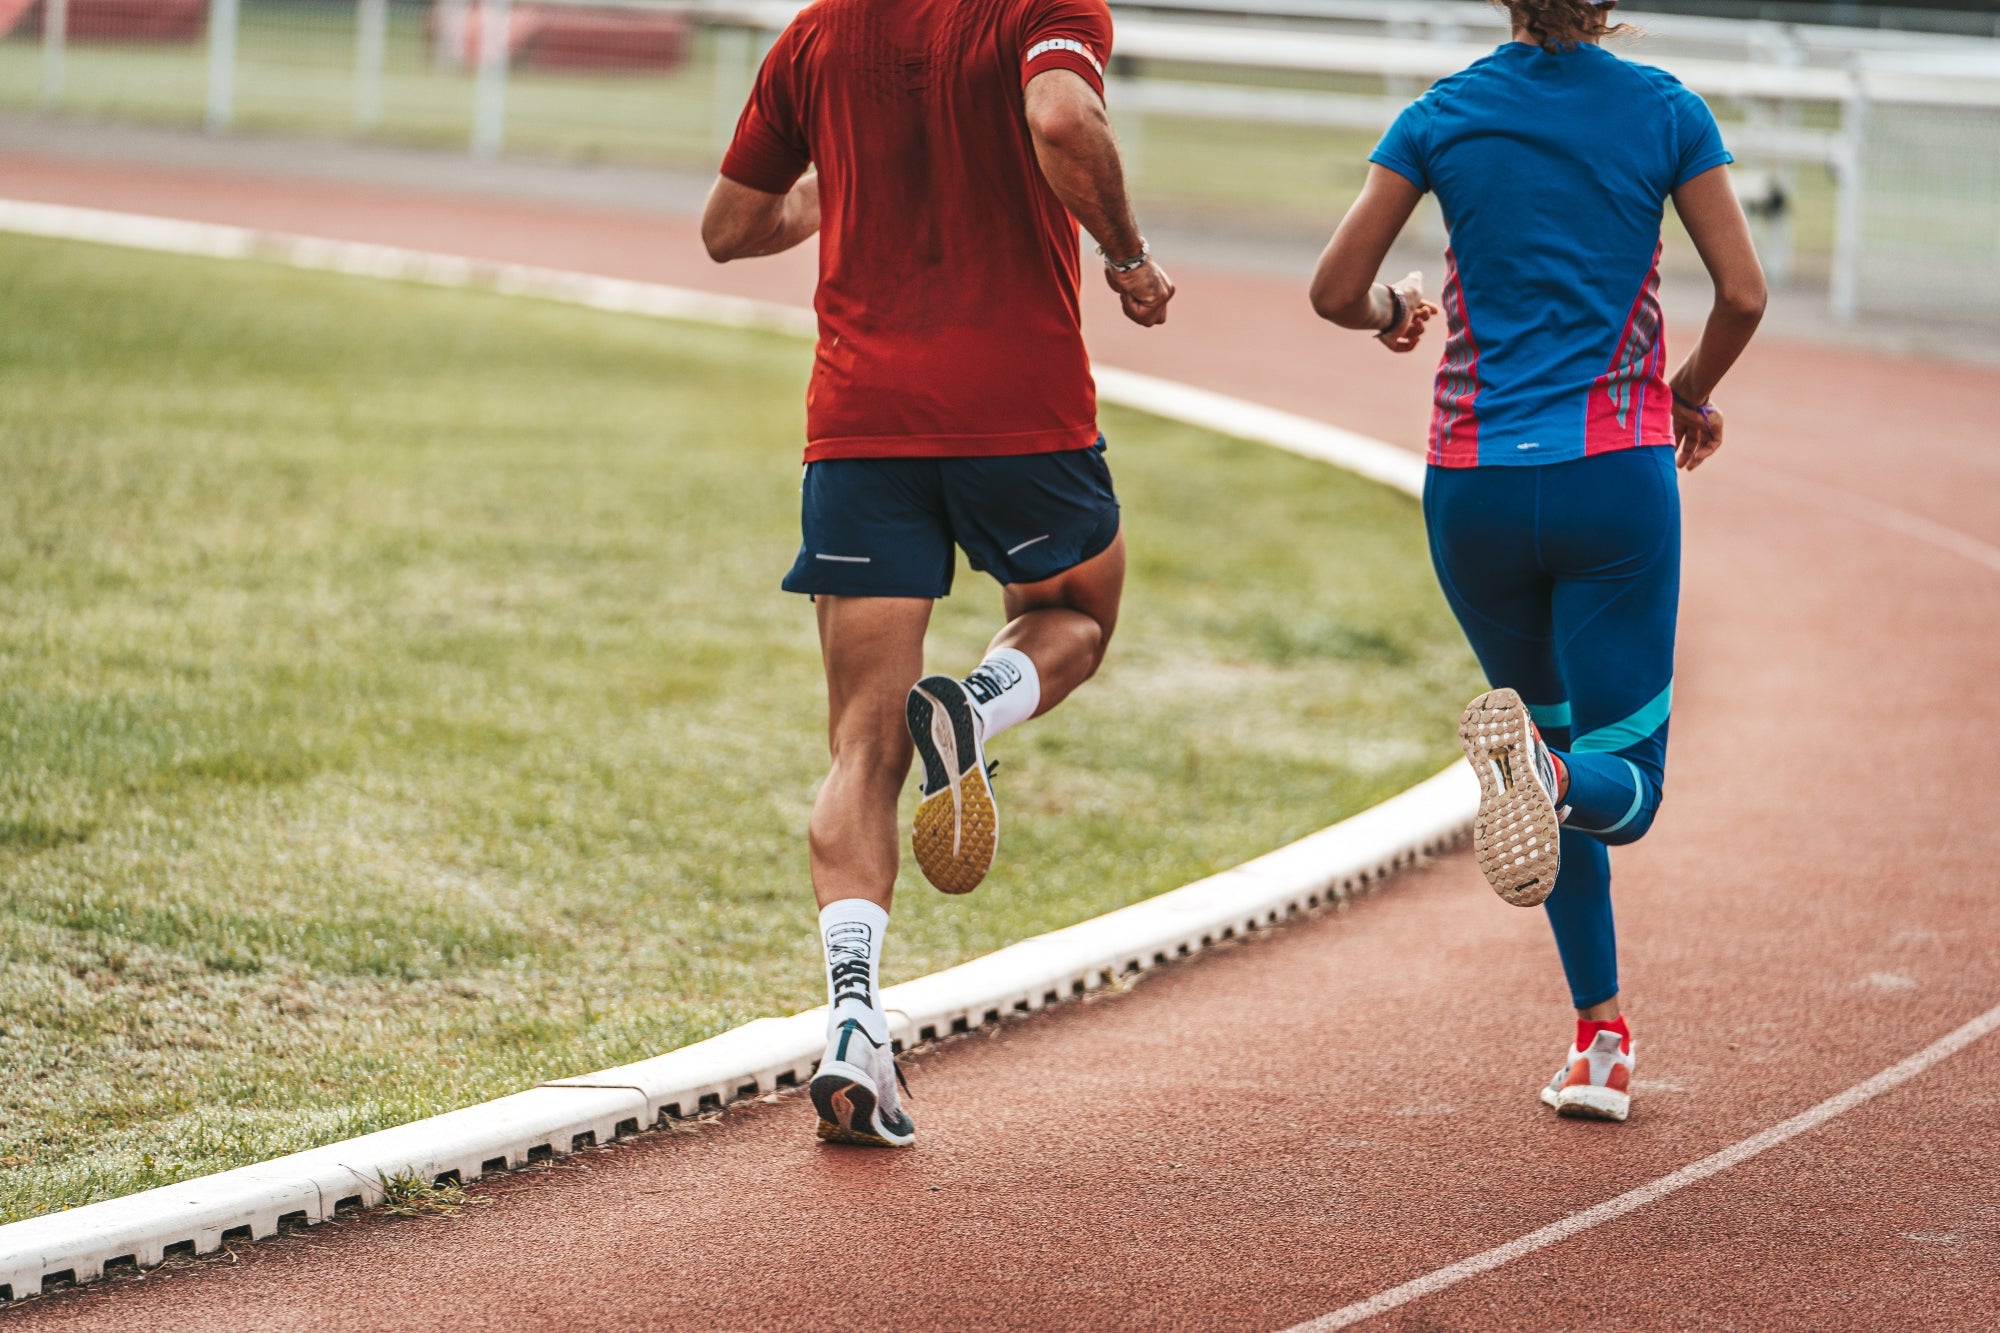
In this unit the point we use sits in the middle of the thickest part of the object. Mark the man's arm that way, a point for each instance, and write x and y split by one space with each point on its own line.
1079 158
742 223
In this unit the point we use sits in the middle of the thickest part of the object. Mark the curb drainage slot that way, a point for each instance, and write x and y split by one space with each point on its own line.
587 1139
186 1247
236 1233
541 1152
352 1203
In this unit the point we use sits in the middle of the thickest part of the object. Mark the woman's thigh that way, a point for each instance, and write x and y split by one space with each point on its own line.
1481 527
1609 536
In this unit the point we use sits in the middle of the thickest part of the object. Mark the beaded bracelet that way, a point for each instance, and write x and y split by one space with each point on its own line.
1706 409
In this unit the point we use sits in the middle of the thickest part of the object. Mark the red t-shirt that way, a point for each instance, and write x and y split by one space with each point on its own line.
948 314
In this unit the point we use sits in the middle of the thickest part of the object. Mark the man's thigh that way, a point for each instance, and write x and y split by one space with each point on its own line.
1028 518
873 650
873 527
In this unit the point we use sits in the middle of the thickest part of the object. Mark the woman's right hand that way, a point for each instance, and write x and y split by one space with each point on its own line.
1417 312
1697 432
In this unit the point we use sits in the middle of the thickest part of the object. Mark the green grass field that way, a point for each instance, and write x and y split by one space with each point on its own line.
397 706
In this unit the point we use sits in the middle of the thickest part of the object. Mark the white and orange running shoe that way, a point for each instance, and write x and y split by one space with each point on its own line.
1595 1082
854 1090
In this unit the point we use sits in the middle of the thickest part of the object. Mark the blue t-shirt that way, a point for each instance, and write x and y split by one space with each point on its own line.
1552 169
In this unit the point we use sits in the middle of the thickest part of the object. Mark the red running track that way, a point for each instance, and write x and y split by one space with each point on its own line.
1281 1128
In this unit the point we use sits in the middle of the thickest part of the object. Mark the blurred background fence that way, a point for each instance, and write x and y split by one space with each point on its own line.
1870 155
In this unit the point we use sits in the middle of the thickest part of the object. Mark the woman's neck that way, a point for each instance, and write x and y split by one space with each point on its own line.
1523 36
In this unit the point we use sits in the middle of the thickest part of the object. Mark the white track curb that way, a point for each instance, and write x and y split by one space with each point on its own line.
558 1118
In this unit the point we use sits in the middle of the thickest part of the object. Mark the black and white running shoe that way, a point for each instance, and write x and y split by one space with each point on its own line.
855 1091
957 828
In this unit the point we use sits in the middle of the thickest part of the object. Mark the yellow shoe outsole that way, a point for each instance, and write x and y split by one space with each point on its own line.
956 831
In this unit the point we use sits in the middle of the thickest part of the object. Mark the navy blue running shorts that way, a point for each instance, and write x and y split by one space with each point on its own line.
885 527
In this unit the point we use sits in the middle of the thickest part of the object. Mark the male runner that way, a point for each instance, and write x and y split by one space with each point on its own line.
955 145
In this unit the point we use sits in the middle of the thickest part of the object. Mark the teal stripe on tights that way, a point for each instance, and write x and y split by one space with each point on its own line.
1638 799
1636 728
1550 715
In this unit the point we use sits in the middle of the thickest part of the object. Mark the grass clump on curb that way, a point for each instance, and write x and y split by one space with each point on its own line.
397 707
407 1194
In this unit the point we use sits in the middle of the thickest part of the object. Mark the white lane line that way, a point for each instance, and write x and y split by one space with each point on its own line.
1839 1104
1881 515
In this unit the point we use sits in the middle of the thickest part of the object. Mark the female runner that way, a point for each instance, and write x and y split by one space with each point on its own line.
1551 500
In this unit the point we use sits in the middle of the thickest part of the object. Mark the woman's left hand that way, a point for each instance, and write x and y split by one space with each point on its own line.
1697 433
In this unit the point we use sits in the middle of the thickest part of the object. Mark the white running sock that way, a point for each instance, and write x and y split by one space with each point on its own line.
1006 690
851 932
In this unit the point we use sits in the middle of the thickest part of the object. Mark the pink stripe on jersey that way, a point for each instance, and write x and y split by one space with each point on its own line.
1630 405
1454 421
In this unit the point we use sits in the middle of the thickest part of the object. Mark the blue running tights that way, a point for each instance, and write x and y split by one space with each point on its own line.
1566 579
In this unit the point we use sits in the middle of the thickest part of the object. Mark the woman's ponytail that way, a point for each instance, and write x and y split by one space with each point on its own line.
1555 25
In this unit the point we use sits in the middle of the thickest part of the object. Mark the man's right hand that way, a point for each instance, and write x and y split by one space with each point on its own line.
1143 292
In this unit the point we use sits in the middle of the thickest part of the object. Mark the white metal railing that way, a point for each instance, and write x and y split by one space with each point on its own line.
1772 69
1452 20
1216 60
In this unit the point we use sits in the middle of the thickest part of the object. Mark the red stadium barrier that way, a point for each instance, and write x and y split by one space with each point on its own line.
113 20
571 38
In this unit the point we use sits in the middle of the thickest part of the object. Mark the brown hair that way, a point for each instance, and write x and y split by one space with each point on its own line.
1556 24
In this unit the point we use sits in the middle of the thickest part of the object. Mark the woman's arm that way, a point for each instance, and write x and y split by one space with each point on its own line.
1709 209
1344 289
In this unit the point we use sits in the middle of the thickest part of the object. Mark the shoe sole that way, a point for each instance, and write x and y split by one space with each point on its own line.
957 827
846 1101
1588 1103
1515 836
